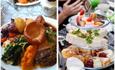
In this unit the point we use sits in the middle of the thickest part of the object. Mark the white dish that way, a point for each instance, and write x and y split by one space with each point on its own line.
27 4
73 63
51 21
72 20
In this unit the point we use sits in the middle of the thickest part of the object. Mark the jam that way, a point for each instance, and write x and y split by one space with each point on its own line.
89 63
102 54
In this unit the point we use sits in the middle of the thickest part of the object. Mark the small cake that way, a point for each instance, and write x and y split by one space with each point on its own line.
95 52
106 53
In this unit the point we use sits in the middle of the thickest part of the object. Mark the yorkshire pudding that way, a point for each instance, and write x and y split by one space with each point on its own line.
35 31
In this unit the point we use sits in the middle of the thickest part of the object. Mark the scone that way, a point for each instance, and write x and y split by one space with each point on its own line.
85 51
106 53
109 53
70 51
95 52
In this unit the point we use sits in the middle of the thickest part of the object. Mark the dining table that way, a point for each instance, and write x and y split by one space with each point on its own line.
10 10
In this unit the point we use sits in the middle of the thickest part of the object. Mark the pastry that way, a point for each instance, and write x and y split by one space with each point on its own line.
95 52
85 51
70 51
109 53
106 53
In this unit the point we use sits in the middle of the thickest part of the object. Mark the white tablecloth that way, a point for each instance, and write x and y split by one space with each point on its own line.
8 11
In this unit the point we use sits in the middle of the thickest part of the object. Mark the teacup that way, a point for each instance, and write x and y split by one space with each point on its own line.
49 8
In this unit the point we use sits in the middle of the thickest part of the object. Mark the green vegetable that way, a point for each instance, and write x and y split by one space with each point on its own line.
51 35
13 52
89 31
89 39
12 55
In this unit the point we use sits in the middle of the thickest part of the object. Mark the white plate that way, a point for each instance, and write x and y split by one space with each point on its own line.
51 21
27 4
72 20
74 63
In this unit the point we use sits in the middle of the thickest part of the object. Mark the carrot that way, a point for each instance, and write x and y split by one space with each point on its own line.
12 34
28 58
3 39
23 1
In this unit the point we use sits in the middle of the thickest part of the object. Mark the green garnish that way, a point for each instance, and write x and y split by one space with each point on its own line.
89 39
96 32
14 50
88 36
51 35
76 31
